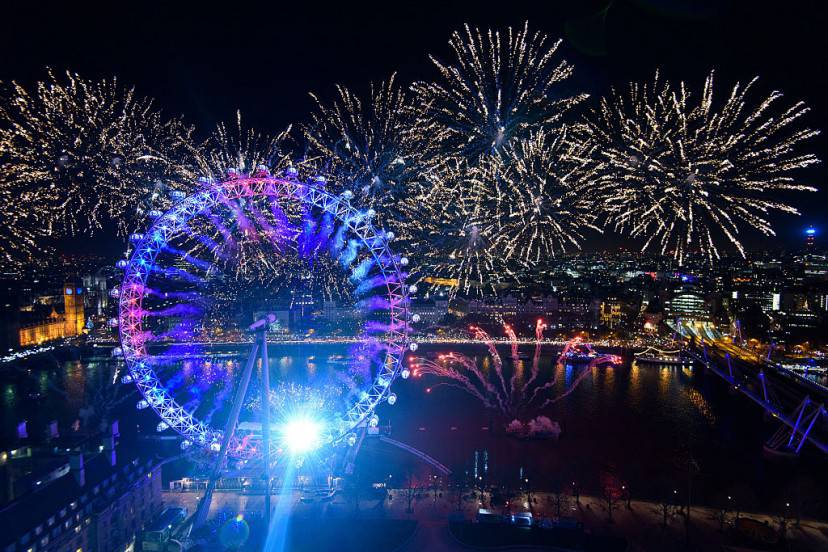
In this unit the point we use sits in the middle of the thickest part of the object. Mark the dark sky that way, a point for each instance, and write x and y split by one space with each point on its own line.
206 62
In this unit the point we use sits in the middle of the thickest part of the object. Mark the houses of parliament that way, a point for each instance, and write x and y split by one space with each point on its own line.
56 325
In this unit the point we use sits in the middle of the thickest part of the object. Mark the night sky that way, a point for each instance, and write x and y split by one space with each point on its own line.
205 62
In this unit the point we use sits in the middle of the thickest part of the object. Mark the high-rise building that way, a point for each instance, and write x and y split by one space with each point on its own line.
810 237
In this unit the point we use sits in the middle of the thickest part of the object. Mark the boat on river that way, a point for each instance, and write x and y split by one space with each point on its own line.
662 357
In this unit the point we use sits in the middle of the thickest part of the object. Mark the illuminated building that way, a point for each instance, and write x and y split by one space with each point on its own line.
430 312
687 306
97 505
810 237
611 312
56 325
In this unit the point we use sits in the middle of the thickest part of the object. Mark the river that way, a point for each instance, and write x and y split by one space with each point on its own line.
644 423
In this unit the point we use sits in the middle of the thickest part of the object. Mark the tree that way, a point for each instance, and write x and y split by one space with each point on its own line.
530 498
558 496
611 490
668 498
805 496
411 489
460 481
723 503
575 485
743 497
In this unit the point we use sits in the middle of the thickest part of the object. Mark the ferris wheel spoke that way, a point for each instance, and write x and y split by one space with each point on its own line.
187 272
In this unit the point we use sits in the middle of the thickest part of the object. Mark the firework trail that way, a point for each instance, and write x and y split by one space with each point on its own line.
498 88
370 145
683 172
237 147
534 188
460 371
77 153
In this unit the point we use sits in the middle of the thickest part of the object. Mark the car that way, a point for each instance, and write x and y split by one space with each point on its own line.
522 519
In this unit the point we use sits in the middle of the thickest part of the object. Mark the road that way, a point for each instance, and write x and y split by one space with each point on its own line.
641 524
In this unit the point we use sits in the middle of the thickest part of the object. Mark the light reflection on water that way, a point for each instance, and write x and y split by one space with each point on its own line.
638 419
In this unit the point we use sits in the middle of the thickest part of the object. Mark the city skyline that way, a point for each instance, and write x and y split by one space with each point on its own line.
402 277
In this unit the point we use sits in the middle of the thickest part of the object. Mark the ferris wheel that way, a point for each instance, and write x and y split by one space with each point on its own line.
269 240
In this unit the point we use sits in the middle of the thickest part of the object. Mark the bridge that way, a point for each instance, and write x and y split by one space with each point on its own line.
752 380
418 453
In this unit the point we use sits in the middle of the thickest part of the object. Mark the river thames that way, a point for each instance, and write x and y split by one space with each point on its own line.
644 423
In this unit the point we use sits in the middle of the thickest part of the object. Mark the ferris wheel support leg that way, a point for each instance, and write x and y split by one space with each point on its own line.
229 429
266 425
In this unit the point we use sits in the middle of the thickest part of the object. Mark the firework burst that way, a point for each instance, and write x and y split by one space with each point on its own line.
455 238
369 145
76 153
235 146
534 189
682 173
511 386
497 89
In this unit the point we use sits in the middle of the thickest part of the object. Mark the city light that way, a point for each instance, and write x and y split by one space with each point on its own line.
302 435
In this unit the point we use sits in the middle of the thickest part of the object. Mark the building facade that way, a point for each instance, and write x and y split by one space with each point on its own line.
56 325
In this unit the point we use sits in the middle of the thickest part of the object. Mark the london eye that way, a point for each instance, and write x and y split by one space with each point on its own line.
260 237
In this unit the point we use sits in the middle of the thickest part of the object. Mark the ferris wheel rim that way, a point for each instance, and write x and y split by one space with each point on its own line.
169 224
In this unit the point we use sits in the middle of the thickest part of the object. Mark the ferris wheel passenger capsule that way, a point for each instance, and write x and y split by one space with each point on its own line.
185 444
415 317
351 439
136 237
370 213
392 398
162 426
405 373
319 180
262 170
155 213
127 379
113 322
122 263
404 261
389 236
117 352
412 288
232 172
374 421
348 194
142 404
177 195
115 292
203 180
291 172
412 347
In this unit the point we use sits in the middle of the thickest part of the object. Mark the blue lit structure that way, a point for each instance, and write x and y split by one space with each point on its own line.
359 246
810 237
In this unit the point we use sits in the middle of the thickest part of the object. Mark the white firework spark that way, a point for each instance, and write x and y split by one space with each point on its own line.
454 237
234 146
77 153
535 191
368 145
681 172
497 89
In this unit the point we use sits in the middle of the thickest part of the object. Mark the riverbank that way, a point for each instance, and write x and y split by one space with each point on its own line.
642 524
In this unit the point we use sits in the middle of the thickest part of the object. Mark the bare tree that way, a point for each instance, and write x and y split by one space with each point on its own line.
411 489
611 490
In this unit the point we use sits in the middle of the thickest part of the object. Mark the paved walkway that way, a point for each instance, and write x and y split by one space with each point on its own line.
641 524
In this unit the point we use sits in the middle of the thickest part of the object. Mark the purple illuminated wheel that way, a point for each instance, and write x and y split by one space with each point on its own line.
233 237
